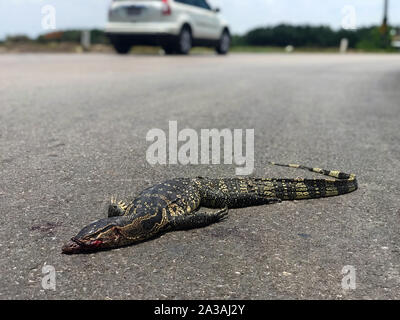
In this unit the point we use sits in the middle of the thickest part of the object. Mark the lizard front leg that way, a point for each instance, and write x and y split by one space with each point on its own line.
199 219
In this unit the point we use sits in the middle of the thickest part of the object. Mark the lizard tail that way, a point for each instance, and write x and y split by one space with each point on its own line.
316 188
331 173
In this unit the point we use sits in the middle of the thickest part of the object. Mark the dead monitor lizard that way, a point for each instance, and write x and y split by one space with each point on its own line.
175 205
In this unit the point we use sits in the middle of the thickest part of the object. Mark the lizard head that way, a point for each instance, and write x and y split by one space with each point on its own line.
99 235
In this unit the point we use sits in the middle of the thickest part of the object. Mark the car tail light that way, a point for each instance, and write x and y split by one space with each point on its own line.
166 8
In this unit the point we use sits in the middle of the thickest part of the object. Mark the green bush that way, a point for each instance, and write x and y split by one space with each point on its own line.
375 39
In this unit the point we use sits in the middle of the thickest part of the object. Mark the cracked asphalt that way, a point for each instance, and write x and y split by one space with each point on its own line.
73 132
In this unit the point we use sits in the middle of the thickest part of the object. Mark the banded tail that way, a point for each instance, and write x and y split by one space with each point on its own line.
330 173
292 189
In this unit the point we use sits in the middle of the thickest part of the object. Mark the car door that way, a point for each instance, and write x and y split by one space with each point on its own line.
195 15
209 20
203 20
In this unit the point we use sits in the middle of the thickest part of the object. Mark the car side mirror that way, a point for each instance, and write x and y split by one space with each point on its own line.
217 10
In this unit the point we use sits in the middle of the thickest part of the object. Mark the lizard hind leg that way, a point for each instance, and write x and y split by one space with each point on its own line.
199 219
115 208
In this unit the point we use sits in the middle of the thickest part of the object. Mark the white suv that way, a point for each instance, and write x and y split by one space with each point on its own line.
176 25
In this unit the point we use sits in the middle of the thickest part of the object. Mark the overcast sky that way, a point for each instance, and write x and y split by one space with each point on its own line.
25 16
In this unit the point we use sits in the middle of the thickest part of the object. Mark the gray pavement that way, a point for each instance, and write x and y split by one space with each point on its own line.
73 131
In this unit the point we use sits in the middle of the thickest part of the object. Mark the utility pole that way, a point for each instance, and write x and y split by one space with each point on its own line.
386 41
385 16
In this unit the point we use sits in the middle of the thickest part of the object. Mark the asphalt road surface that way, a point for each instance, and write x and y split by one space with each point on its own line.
73 132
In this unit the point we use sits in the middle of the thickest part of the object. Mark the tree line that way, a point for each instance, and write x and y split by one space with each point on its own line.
313 36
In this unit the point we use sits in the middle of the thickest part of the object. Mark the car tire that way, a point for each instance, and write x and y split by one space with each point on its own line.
224 43
184 41
169 50
121 46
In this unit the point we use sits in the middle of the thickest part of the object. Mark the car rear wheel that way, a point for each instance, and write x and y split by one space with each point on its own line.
184 44
169 49
224 43
121 46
